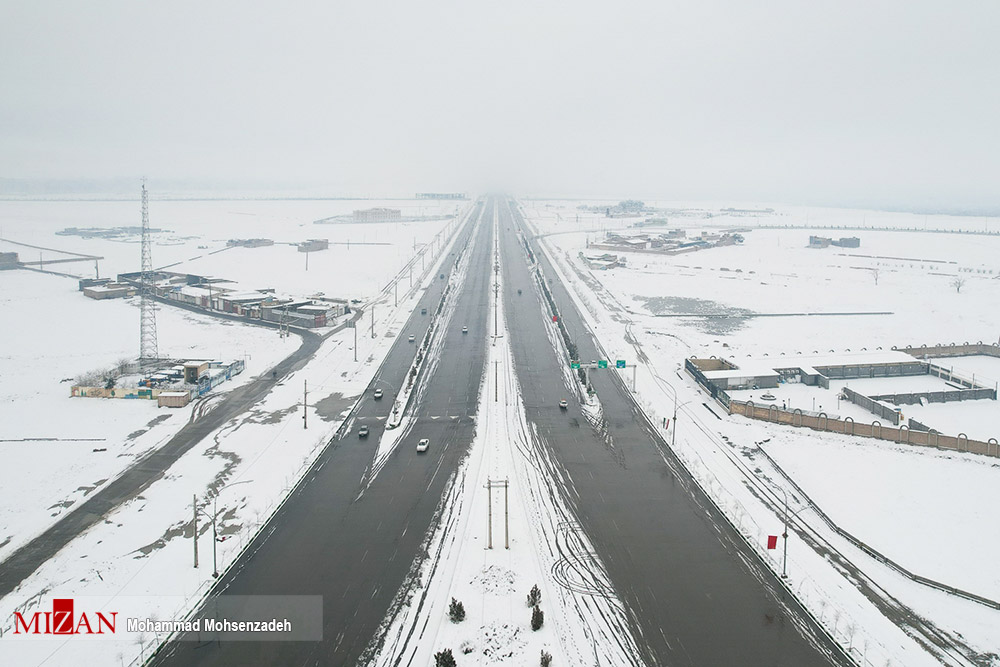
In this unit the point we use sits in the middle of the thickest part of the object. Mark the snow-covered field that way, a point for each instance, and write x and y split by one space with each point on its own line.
654 311
138 561
360 261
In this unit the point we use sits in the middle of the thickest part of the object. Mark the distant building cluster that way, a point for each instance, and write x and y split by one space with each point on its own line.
441 195
172 384
249 243
824 242
629 208
221 296
378 214
673 242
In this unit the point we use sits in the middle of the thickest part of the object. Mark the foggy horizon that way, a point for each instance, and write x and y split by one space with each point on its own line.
884 107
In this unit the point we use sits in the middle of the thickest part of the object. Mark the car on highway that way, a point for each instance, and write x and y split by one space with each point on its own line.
412 338
363 431
423 445
378 394
423 311
563 404
465 329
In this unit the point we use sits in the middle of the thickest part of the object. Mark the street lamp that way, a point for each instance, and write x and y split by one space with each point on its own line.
784 535
214 517
673 433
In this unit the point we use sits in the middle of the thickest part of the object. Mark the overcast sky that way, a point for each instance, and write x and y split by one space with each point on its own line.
789 101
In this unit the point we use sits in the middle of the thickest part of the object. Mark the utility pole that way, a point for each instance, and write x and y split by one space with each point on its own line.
784 535
489 517
490 485
194 506
673 433
506 521
305 404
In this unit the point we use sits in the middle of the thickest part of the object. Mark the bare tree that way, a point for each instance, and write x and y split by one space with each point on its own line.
875 273
958 283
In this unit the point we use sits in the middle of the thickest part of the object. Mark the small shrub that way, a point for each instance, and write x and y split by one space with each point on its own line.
537 618
546 659
456 611
534 597
444 659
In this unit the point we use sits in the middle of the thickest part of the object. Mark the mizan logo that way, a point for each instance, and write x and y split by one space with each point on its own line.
63 621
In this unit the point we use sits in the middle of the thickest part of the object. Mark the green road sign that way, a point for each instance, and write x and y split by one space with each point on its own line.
574 364
602 363
620 363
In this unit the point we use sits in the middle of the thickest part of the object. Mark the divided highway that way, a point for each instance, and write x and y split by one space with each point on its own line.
695 593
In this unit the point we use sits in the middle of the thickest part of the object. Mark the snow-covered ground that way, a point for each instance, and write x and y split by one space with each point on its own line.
139 560
56 449
652 311
584 622
360 261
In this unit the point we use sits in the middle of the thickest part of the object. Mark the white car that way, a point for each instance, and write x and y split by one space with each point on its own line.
412 338
423 445
563 404
378 394
465 329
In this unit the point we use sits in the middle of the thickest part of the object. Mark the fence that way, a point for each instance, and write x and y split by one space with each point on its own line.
873 405
847 426
953 350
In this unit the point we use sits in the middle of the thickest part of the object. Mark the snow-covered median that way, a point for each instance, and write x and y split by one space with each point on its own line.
535 542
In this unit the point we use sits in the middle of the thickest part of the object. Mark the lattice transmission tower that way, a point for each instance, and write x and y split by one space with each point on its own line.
148 353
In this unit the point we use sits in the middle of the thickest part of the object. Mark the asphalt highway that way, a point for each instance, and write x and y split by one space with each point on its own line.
357 549
696 593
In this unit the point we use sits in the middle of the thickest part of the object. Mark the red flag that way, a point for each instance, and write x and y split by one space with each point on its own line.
772 541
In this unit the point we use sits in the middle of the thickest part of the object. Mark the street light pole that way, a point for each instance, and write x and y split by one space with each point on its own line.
215 516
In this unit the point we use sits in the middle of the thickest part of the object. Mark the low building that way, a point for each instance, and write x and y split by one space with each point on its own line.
92 282
312 245
110 291
193 371
848 242
8 260
173 399
602 262
378 214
